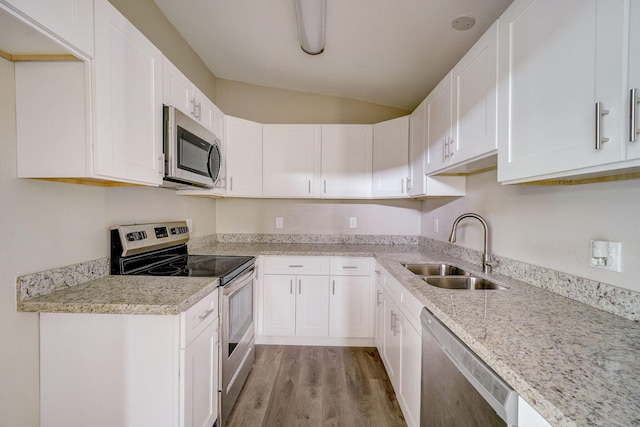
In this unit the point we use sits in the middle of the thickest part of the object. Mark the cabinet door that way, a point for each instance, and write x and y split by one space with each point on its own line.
70 20
633 148
416 182
556 60
410 365
279 305
346 161
438 128
243 144
128 100
475 95
349 306
379 317
390 157
391 340
201 379
312 306
177 88
291 160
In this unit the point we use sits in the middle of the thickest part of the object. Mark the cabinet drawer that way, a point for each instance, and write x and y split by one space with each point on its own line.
198 317
296 265
349 266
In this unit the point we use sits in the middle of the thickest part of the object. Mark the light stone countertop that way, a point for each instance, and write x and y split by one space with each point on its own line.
125 295
575 364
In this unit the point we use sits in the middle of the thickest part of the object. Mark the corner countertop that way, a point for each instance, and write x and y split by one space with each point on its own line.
576 365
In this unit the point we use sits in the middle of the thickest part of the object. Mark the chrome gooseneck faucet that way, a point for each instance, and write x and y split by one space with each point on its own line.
487 259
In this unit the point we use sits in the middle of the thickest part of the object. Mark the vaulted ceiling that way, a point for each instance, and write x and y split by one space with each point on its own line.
388 52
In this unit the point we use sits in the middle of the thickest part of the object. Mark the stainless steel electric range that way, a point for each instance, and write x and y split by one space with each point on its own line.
160 249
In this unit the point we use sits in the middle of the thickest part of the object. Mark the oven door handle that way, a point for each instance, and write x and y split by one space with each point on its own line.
238 282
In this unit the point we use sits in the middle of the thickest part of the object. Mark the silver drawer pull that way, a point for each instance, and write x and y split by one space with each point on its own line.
206 314
296 266
350 266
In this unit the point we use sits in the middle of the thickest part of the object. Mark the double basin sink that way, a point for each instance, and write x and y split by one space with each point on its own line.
450 277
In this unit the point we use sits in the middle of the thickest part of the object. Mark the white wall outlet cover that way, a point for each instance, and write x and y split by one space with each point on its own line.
353 222
279 222
605 255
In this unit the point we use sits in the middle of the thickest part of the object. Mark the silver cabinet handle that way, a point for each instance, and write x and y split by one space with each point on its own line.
392 327
325 186
444 150
633 101
291 286
409 184
309 186
334 288
349 267
378 302
193 102
599 113
299 286
451 151
402 186
296 265
199 107
206 314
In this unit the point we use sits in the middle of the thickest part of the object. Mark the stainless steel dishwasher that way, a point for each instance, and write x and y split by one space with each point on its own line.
458 389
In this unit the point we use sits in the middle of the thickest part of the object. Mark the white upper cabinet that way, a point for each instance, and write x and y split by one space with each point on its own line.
128 100
291 160
179 92
99 120
347 161
559 62
68 21
474 102
243 146
440 147
416 182
390 157
633 90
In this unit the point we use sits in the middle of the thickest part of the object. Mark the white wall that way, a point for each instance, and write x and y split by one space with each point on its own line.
400 217
548 226
46 225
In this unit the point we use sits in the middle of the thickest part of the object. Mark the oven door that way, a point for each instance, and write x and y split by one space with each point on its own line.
237 340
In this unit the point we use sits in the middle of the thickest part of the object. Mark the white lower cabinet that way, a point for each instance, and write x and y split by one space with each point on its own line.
315 300
296 305
399 342
529 417
125 370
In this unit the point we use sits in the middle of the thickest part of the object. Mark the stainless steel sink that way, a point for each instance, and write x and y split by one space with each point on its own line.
461 282
435 270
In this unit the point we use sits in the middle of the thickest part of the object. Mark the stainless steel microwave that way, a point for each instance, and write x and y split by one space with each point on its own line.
192 154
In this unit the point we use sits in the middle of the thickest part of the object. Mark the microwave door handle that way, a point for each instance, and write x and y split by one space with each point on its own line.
209 162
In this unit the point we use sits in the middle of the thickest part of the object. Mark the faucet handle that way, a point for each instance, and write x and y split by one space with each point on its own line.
488 263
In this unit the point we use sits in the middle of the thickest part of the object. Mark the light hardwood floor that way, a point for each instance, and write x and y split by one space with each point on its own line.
317 386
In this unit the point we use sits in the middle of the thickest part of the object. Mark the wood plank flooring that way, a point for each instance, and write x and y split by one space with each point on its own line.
317 386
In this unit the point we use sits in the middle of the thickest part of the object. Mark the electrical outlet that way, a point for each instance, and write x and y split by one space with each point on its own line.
279 222
605 255
353 222
435 225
